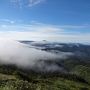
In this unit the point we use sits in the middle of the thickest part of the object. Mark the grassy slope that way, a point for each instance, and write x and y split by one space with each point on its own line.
10 79
11 82
79 68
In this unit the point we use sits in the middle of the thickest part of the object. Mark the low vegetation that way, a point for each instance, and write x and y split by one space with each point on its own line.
78 78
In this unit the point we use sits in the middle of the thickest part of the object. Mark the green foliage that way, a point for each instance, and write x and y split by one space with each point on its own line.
40 83
78 67
78 78
82 71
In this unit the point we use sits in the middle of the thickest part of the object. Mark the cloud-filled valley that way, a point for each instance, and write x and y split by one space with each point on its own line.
41 56
23 55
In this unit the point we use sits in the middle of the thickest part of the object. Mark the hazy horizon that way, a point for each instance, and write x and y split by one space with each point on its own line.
37 20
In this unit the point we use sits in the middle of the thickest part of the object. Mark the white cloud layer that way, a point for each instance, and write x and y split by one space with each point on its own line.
39 31
34 2
30 3
22 55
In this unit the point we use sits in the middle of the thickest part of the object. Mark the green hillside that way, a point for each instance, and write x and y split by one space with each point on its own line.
13 78
9 82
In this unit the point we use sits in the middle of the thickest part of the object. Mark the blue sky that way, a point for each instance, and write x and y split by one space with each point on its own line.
53 20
